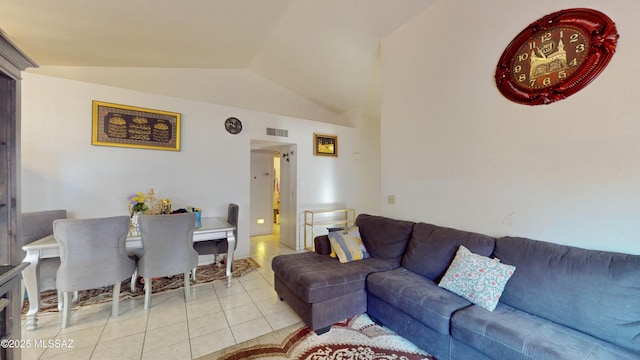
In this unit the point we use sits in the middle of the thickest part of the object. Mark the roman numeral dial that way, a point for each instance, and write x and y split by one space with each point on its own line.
549 57
556 56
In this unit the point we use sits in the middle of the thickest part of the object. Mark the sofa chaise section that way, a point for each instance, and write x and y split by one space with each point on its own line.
324 291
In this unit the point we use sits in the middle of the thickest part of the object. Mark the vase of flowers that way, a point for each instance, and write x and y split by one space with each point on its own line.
137 206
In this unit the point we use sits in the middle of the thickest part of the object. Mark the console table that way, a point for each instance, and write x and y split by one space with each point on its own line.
212 228
327 218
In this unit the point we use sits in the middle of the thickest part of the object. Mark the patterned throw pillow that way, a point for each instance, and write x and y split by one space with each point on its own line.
476 278
333 253
347 244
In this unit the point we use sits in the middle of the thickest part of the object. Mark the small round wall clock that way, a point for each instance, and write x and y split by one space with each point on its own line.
233 125
556 56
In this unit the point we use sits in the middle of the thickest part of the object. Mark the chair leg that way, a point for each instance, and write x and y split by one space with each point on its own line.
115 302
193 274
66 309
187 288
61 301
134 277
147 293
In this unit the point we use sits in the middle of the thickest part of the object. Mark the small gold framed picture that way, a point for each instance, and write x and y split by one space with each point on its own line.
325 145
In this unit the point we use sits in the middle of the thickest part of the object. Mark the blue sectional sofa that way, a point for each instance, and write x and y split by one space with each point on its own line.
562 302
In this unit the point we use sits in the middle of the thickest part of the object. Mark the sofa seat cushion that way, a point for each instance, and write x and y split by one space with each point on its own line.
417 296
315 278
508 333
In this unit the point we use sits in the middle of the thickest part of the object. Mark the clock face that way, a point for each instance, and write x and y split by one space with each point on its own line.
233 125
556 56
549 57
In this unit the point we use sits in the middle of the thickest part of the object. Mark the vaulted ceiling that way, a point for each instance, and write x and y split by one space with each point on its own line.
324 51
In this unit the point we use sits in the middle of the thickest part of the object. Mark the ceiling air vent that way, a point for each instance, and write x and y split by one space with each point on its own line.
277 132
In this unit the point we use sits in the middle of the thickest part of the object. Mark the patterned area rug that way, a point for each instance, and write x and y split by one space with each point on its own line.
357 338
204 274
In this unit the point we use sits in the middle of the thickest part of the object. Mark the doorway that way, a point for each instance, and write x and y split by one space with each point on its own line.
273 191
264 183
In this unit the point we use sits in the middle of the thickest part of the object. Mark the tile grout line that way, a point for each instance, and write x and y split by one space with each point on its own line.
95 346
146 331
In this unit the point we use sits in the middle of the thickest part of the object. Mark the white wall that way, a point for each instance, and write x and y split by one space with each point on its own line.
456 153
61 169
233 87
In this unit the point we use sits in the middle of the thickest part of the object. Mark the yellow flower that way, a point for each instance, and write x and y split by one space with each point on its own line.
137 202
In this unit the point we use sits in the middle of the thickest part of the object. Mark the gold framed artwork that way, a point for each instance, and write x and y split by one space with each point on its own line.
134 127
325 145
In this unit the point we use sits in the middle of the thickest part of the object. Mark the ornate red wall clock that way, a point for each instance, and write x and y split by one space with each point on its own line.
556 56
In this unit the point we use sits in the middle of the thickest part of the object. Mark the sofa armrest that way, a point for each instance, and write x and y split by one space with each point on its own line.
322 245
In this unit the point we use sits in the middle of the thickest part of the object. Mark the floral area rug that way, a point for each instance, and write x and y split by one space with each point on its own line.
204 274
357 338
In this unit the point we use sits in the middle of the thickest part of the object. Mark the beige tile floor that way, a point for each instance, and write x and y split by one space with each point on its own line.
215 318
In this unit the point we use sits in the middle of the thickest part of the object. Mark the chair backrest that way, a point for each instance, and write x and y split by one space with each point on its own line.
35 226
92 252
167 242
232 218
38 224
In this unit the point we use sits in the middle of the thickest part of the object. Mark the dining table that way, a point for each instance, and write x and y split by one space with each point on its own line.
212 228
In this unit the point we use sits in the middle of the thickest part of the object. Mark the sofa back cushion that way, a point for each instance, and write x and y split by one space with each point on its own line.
432 248
596 292
383 237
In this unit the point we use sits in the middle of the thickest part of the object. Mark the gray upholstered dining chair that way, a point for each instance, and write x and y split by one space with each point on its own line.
92 255
35 226
167 242
219 246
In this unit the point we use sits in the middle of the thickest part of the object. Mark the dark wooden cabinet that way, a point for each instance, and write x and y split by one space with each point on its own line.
12 63
7 168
